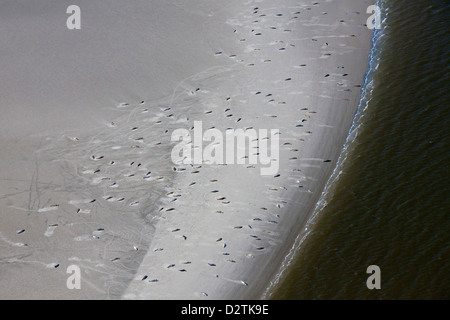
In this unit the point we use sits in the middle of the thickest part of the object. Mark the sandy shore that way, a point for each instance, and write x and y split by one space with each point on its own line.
89 180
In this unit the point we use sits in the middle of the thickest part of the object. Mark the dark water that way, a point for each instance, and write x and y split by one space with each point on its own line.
390 204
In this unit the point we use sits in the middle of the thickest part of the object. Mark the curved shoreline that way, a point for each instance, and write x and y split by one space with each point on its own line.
330 184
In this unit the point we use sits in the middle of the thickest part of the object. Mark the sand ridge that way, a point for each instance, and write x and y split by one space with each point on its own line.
221 240
109 198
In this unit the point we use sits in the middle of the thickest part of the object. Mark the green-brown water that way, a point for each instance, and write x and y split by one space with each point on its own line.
389 206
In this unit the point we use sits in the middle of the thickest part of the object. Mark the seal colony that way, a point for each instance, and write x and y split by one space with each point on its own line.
111 201
235 222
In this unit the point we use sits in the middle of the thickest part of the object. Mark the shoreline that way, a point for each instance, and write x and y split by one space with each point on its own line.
330 185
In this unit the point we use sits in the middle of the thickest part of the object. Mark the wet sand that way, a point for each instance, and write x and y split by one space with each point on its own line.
90 182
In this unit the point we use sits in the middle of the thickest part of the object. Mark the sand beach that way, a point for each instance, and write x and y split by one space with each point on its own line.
87 171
